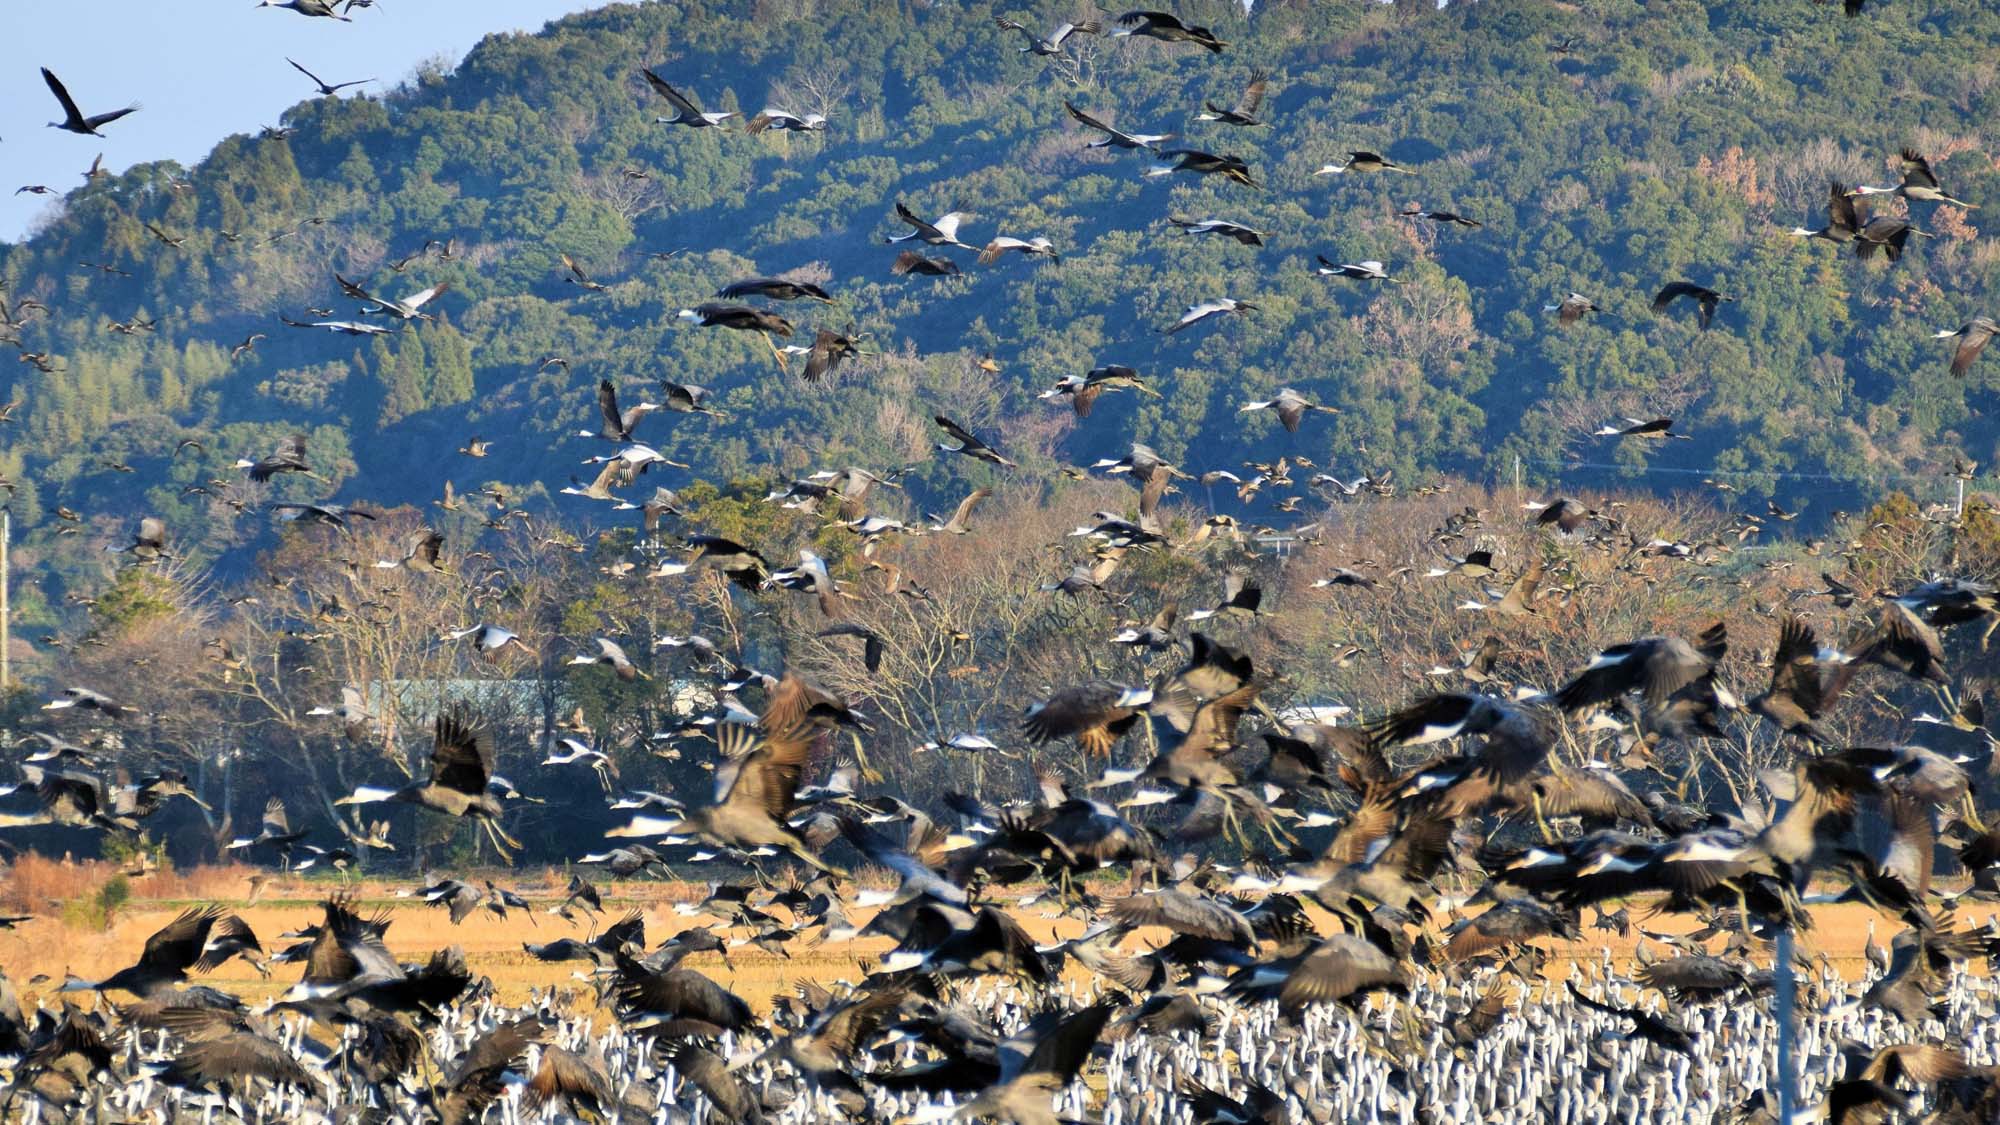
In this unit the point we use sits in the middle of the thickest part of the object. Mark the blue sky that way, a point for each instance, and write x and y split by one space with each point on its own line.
202 70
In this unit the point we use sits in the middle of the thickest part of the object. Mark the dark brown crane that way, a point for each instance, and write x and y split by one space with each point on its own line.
461 766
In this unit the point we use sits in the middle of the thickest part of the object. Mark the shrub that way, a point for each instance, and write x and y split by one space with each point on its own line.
96 910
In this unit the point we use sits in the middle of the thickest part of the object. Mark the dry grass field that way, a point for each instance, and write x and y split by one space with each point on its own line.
38 954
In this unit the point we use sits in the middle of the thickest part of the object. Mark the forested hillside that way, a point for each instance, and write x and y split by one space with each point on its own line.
1379 478
1672 140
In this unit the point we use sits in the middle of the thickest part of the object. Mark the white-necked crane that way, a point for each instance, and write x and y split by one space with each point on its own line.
612 655
290 457
686 398
166 959
613 473
1361 160
1203 164
1887 233
1642 428
685 111
1115 138
1370 270
961 517
328 513
574 274
408 308
165 239
1919 182
775 288
825 353
574 752
1705 299
83 698
1570 309
742 565
74 120
784 121
1054 43
461 764
421 551
1215 306
275 831
635 458
1244 112
1972 337
909 261
318 9
343 327
1844 217
1240 598
742 318
1167 29
943 232
616 425
1037 246
326 89
1291 408
969 445
757 783
1248 236
1083 390
1444 217
490 640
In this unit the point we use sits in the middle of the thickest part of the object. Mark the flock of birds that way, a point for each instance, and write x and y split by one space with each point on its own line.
1396 972
1417 1005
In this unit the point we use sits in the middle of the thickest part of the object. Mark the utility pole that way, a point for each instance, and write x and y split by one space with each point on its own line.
1788 1067
6 609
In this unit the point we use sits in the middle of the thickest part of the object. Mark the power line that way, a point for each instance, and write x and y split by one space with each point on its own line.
1773 474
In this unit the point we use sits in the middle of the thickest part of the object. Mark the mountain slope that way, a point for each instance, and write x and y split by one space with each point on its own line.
1674 141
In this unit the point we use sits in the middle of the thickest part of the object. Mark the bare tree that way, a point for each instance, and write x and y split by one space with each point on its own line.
822 89
629 196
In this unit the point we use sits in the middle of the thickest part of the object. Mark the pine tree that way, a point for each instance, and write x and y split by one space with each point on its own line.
451 366
357 171
403 390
